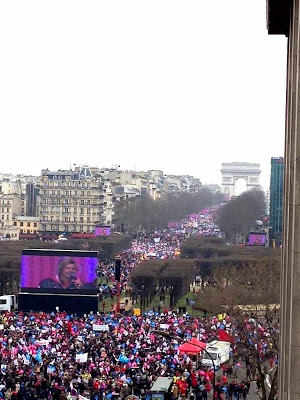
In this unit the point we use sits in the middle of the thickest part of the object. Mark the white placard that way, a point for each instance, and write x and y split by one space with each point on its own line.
43 342
164 326
81 357
100 328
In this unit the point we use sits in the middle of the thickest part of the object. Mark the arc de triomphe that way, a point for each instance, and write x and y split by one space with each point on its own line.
231 172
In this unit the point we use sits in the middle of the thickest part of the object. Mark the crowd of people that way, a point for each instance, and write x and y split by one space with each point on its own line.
107 356
104 356
164 244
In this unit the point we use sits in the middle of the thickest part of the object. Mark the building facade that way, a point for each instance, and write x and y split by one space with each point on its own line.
10 207
25 187
284 18
27 225
73 200
31 200
276 200
67 201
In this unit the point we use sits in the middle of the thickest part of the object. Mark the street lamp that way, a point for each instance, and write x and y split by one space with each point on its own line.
179 339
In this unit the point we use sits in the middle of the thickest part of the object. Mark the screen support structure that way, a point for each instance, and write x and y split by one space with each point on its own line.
118 278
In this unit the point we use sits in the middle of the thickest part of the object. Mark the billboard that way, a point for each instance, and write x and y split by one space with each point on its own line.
102 230
59 271
257 239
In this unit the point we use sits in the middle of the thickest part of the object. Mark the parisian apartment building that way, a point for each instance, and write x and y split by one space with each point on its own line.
73 200
78 199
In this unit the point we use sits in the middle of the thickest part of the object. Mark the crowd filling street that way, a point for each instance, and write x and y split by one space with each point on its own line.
109 356
162 245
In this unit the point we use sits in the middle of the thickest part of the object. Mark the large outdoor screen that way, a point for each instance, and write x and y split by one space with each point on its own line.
59 271
103 230
257 239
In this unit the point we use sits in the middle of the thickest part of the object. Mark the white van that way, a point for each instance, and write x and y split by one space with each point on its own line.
219 352
8 302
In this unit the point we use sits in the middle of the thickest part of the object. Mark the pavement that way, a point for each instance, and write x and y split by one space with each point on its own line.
241 375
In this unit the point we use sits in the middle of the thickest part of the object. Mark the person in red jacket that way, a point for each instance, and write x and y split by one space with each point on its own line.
183 387
194 380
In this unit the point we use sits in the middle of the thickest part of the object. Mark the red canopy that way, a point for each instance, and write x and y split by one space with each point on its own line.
193 346
197 342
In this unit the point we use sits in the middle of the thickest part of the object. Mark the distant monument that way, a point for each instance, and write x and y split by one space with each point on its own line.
232 172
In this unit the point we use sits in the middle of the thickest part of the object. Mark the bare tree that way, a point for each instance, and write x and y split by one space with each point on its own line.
238 216
250 294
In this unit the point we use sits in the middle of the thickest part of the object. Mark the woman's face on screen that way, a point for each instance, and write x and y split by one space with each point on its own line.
68 272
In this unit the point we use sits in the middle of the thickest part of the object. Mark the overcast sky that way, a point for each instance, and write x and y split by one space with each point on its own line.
180 86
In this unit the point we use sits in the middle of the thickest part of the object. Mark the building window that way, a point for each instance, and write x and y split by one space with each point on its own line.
35 224
88 211
21 224
88 193
82 211
82 202
88 202
53 192
28 230
7 210
82 193
81 219
66 201
15 223
28 223
66 210
88 219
